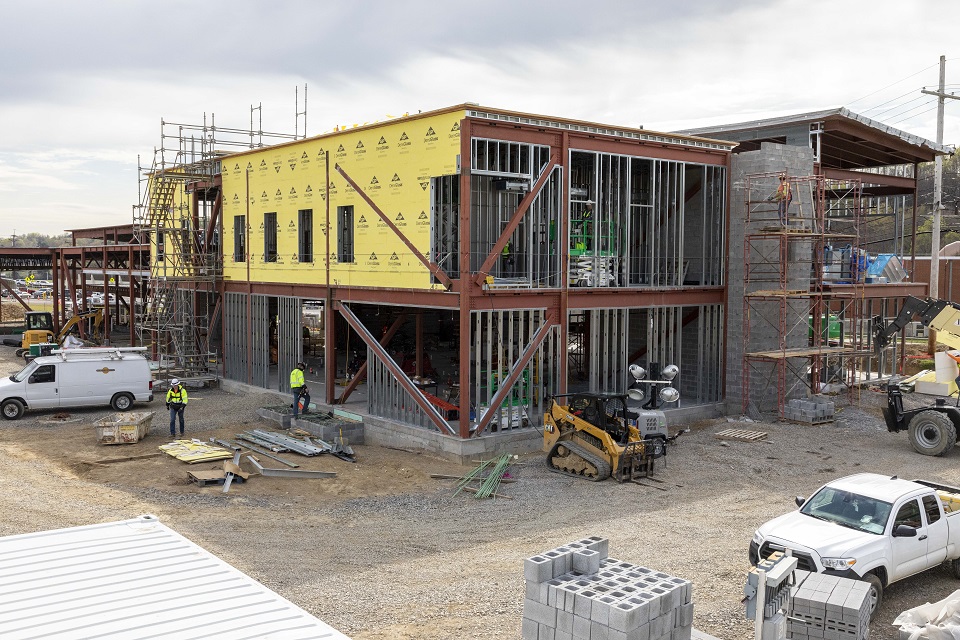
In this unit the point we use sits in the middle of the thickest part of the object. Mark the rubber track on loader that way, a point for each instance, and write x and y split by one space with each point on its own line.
601 465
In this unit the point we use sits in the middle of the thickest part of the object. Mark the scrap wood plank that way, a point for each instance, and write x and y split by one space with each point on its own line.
124 459
742 435
209 477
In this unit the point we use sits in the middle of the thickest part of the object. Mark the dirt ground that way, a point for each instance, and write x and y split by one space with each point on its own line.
384 552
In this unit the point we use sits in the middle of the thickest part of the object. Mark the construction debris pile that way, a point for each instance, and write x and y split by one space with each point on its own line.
265 444
576 591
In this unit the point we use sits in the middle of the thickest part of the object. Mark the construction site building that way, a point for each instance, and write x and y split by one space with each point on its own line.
463 265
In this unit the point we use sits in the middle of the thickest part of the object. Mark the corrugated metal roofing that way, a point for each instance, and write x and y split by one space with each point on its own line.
813 116
136 579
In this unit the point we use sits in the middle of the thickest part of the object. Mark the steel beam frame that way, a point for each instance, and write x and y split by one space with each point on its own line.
391 365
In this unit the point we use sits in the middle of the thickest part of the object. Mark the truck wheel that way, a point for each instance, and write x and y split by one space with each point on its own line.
12 409
932 433
876 592
122 402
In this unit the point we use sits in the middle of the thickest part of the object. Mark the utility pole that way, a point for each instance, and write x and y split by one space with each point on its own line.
937 196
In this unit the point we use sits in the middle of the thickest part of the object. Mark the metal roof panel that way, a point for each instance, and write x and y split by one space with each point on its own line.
136 579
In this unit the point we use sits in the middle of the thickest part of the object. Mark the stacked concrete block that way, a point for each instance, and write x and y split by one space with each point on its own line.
811 411
577 592
829 607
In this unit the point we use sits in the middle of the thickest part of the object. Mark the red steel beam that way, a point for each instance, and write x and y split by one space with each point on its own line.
212 223
518 366
517 216
362 371
870 178
401 377
14 294
435 269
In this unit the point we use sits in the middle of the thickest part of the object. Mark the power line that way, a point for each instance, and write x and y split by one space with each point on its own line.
895 83
898 106
912 92
914 115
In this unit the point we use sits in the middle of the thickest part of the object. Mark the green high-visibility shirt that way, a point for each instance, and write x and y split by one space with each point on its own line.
179 396
296 378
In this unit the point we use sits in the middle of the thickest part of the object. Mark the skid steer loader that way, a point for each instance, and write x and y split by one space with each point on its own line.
595 435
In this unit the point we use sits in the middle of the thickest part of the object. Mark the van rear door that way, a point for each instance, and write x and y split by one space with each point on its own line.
42 388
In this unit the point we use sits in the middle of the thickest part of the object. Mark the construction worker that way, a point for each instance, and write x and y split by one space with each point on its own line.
507 255
298 387
176 401
782 197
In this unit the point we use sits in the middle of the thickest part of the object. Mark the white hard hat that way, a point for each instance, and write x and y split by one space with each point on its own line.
589 201
175 382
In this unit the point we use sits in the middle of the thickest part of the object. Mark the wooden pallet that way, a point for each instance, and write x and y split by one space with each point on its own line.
741 435
212 477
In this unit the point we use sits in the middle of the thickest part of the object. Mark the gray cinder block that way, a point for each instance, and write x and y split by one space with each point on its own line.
540 613
599 631
538 569
625 616
529 629
583 604
586 561
547 633
581 627
600 610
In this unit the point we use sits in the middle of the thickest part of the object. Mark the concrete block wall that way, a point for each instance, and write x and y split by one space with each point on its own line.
829 607
796 161
577 592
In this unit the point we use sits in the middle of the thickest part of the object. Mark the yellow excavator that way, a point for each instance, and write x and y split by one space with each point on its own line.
595 435
39 329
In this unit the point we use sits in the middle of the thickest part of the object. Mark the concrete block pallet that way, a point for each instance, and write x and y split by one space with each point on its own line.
831 607
812 411
577 592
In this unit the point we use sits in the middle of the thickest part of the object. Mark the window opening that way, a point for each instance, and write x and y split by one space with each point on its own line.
345 234
270 237
239 239
305 233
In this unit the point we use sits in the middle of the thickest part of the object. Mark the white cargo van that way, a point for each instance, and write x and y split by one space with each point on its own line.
79 378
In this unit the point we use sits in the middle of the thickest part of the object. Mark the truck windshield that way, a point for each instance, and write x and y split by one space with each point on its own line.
24 373
848 510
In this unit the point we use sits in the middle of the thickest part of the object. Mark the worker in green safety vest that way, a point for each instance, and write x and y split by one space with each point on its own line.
298 387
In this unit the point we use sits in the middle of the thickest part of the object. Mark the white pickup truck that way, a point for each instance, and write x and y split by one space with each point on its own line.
869 527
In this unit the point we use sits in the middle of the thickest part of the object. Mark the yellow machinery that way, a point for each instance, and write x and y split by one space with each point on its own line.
39 329
594 436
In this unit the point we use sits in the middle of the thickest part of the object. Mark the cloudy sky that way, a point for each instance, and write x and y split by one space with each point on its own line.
84 85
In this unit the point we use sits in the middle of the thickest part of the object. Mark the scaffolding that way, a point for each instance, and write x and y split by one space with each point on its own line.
806 322
178 215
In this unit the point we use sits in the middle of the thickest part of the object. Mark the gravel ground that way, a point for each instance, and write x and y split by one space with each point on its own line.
385 552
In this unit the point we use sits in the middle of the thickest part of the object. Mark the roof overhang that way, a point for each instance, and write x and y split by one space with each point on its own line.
847 140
